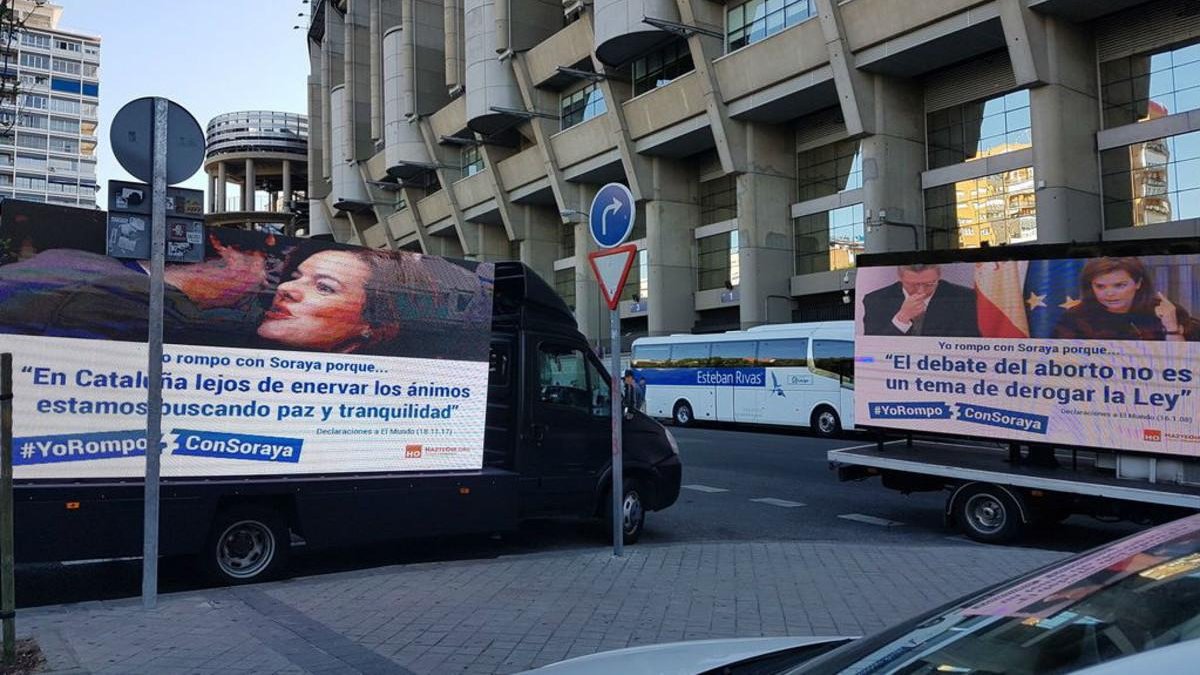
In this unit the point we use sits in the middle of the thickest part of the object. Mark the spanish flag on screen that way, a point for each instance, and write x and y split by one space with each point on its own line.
1000 307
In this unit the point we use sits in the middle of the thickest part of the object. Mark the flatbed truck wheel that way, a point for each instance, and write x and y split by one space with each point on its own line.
247 544
987 513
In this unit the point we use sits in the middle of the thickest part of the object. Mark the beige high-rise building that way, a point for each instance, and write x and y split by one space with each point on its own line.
48 140
768 143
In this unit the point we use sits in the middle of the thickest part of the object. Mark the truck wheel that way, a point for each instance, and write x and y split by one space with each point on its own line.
247 544
633 507
988 514
683 414
825 422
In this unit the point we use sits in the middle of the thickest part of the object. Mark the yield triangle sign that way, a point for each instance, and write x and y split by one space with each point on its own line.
611 266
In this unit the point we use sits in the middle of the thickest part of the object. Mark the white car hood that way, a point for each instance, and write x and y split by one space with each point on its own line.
676 658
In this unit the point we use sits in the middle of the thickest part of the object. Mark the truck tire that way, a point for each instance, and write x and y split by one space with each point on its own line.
247 544
825 422
683 415
988 514
634 507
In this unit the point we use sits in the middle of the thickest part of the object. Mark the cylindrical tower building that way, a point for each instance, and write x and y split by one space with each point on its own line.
260 151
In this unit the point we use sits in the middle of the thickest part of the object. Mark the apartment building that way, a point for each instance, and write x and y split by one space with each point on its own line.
48 128
768 142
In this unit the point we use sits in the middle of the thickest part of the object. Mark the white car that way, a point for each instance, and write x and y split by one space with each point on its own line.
1132 606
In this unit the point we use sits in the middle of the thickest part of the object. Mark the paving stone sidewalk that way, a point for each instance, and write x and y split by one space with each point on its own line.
514 613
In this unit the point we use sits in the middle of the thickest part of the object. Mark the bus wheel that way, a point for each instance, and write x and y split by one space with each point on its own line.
248 543
683 414
825 422
988 514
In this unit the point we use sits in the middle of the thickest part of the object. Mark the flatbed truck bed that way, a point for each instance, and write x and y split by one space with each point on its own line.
993 495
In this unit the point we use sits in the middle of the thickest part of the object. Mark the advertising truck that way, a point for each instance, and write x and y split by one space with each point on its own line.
313 393
1030 383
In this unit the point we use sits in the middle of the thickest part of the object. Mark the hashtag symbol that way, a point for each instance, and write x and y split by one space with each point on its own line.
27 450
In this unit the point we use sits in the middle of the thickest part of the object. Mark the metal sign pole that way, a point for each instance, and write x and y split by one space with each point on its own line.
158 251
618 403
8 600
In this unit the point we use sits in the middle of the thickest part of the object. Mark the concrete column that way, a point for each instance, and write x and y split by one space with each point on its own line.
357 74
248 189
672 213
765 248
212 193
892 161
539 248
1065 120
590 311
493 243
221 182
287 183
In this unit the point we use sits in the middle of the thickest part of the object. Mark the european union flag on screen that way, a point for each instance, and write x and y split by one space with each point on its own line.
1051 288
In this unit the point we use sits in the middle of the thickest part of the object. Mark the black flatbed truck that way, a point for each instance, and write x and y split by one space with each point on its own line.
543 457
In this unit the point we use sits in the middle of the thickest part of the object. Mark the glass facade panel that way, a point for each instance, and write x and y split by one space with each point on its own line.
830 240
759 19
718 261
1152 182
992 210
829 170
1147 86
979 129
472 161
661 66
718 200
566 241
638 281
582 105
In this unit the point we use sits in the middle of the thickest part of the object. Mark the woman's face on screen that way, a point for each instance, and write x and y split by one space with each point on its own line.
1115 291
321 306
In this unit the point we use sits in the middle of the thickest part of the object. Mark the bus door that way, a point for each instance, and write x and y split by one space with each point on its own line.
739 392
789 385
689 361
833 366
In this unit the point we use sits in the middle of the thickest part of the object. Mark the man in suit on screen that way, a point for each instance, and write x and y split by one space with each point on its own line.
920 302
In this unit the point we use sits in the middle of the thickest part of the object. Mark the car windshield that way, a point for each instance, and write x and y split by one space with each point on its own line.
1137 594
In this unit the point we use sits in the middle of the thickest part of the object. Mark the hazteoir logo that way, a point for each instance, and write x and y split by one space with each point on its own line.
412 451
1152 435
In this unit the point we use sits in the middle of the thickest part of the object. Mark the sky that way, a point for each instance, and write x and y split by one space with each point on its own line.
210 56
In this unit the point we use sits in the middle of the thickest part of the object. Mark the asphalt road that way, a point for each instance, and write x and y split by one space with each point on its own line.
739 485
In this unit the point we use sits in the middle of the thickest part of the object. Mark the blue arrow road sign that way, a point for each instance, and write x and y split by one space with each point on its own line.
611 216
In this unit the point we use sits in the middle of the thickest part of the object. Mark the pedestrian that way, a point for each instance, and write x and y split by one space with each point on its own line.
632 395
642 393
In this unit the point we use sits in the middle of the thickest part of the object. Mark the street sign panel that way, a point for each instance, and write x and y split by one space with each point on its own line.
611 216
611 267
132 138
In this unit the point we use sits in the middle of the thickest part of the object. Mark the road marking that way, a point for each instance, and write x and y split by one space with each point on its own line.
777 502
704 488
870 520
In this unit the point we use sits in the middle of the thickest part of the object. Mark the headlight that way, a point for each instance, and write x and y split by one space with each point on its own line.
671 441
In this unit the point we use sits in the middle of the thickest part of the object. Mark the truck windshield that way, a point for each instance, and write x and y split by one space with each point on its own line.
1134 595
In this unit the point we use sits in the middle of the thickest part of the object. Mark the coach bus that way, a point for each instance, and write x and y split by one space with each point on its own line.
799 374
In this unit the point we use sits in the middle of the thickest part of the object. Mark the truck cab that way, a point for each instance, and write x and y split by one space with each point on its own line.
549 414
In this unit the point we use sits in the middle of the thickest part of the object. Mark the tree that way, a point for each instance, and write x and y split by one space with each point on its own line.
12 24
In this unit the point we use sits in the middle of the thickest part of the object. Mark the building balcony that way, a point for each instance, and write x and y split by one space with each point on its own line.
925 36
523 174
569 47
665 106
435 211
581 142
473 190
780 78
451 120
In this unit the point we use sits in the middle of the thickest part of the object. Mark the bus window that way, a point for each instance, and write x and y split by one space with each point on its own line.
651 356
791 353
733 354
835 358
692 355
